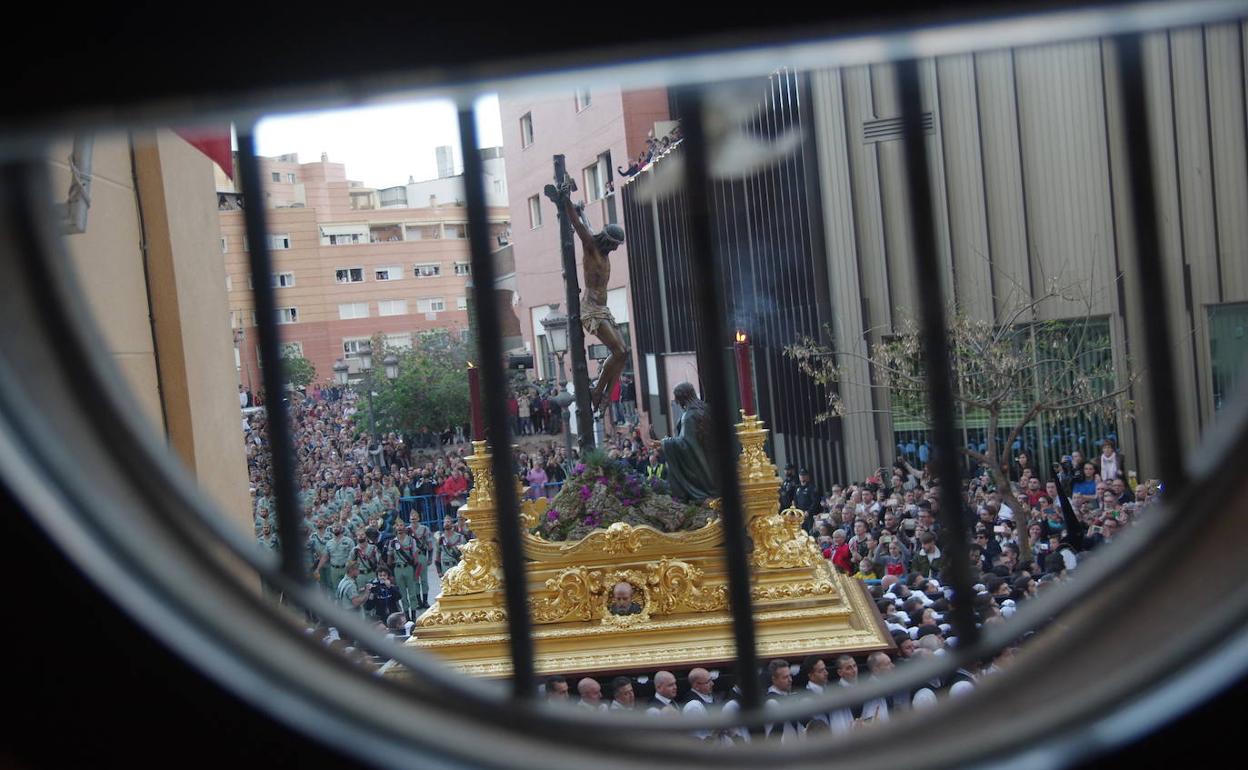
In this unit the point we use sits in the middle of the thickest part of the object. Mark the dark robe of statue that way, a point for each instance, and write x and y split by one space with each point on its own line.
689 473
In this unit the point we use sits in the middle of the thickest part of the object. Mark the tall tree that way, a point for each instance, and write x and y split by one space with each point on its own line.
300 372
431 390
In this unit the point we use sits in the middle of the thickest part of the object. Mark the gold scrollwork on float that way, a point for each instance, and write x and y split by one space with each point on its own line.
793 590
435 617
671 585
780 542
532 512
476 572
679 587
575 589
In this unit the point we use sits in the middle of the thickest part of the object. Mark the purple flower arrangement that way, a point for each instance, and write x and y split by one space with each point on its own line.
601 492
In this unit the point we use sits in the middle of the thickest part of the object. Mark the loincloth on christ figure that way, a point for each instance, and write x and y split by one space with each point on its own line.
594 315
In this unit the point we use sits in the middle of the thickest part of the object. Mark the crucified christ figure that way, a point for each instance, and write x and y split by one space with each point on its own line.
595 315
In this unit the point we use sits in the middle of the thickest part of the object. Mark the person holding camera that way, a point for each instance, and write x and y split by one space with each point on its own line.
383 596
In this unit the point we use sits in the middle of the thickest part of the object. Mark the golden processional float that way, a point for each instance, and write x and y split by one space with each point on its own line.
802 605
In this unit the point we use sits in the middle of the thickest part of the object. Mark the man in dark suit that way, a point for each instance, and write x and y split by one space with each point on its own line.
807 498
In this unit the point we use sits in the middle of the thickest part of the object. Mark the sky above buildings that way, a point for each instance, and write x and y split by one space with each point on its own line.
382 146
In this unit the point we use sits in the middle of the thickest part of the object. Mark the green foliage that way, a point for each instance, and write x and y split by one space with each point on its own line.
431 390
300 372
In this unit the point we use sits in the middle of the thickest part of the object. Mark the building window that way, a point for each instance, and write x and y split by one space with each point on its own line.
430 305
463 268
582 98
351 346
283 280
427 269
279 241
399 341
290 178
535 212
390 273
224 245
344 240
1228 349
526 130
288 315
456 231
245 246
349 275
350 310
392 196
423 232
597 176
292 350
392 307
461 303
385 233
277 176
229 283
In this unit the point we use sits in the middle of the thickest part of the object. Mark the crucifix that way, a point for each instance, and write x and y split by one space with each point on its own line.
591 313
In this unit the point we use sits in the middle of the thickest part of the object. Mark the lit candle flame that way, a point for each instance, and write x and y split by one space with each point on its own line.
741 336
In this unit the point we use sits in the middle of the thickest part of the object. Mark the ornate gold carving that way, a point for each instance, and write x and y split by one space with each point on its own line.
435 617
780 542
754 465
478 570
793 590
619 538
481 498
574 590
583 593
679 586
532 512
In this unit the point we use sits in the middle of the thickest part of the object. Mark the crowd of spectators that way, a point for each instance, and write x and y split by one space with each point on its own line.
655 149
884 531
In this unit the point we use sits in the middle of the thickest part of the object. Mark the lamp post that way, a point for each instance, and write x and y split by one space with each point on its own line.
556 326
391 365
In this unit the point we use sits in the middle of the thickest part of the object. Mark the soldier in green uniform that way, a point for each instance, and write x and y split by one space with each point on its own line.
448 545
424 550
368 556
407 568
317 542
267 541
349 595
337 551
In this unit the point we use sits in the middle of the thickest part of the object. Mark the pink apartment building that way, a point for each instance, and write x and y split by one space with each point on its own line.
345 267
598 130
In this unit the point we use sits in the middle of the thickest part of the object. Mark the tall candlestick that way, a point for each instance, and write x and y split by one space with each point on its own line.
474 397
745 378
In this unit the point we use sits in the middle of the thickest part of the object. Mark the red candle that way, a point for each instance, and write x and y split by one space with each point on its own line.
474 396
745 379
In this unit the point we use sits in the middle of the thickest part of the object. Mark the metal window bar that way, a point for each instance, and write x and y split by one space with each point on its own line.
489 342
936 354
1158 354
713 336
283 451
